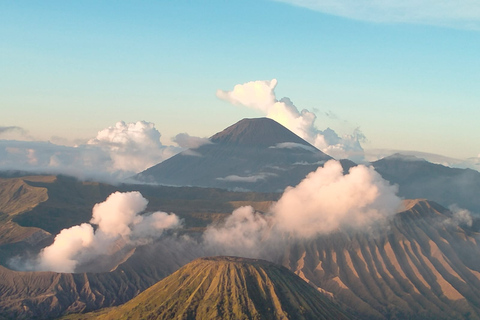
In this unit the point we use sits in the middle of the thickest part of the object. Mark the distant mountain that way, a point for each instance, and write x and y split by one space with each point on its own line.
253 154
229 288
418 178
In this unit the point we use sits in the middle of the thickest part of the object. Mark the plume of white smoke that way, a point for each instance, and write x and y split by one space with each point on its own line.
118 222
260 95
116 153
61 256
241 234
324 202
459 217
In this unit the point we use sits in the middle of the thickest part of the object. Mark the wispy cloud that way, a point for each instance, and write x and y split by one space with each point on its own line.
250 179
464 14
292 145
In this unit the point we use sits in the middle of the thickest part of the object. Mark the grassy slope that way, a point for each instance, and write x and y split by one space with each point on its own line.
17 196
228 288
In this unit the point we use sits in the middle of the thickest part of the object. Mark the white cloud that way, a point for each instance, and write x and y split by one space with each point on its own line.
458 14
292 145
117 152
249 179
186 141
132 146
260 95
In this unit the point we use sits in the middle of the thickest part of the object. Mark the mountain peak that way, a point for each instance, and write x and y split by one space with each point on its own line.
257 132
253 154
230 288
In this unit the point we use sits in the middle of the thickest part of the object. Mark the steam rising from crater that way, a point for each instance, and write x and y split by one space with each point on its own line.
119 223
324 202
327 200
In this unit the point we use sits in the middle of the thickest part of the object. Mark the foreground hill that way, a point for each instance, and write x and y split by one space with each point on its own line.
229 288
253 154
418 178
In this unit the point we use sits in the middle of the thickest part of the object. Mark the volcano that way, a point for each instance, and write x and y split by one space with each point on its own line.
253 154
229 288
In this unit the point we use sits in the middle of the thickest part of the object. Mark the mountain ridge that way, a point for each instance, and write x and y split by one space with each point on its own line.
418 178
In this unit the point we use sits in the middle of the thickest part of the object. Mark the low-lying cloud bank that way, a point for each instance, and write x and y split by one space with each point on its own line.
117 152
260 95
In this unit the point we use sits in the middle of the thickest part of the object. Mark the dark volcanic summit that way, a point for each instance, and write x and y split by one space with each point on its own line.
253 154
257 132
229 288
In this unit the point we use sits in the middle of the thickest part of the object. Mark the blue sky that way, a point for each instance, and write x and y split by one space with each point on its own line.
70 69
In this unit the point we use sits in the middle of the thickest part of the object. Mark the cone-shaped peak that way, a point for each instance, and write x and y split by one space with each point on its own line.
230 288
257 132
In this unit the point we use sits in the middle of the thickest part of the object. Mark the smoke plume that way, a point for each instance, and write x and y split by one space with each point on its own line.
459 217
324 202
118 224
242 234
260 95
